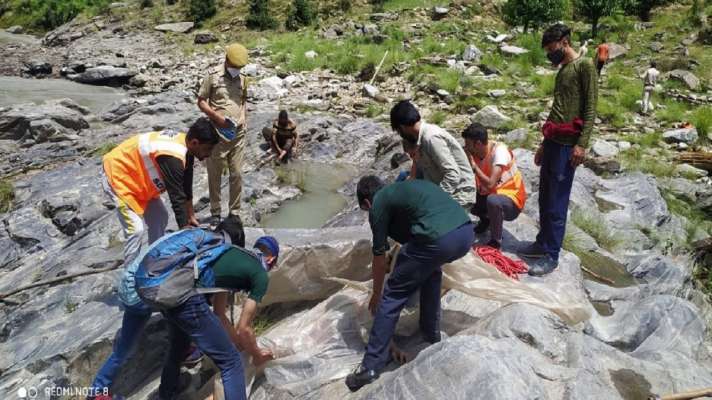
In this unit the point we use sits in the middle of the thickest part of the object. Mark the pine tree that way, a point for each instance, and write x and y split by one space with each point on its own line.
259 16
300 14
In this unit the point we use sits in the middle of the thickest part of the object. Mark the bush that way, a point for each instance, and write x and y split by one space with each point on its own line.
593 10
49 14
300 14
702 120
259 15
344 5
532 13
377 4
146 3
200 10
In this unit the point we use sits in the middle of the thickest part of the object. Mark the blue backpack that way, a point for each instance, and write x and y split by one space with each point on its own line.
174 270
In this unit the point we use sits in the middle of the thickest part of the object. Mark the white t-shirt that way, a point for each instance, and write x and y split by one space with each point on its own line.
501 156
651 77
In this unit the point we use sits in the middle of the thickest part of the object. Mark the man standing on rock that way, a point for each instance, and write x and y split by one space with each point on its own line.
567 132
650 79
501 194
282 137
441 158
138 170
434 230
222 98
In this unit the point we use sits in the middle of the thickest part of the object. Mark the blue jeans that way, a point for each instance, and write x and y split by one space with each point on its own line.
194 321
134 320
555 180
418 266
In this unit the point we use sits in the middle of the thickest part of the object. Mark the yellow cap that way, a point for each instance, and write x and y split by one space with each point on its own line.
236 55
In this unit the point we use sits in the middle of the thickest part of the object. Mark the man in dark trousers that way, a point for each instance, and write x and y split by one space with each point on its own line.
434 230
567 133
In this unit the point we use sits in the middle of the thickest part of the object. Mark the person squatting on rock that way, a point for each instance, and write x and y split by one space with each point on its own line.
163 279
500 187
434 230
650 79
222 98
282 137
567 132
139 169
441 158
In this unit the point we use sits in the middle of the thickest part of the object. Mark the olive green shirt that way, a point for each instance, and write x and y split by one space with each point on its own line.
414 210
226 94
576 95
240 269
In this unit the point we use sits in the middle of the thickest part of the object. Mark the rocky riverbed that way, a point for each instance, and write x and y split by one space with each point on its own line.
648 332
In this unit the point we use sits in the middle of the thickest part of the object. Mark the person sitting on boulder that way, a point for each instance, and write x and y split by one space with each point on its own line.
440 157
138 170
223 263
501 194
282 137
434 230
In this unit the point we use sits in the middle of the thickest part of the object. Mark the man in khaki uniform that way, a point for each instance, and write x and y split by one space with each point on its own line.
222 98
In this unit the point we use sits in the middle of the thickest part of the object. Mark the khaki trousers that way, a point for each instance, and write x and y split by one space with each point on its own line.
224 154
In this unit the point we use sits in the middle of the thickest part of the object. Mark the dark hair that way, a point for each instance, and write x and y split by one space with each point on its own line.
203 131
367 188
555 33
653 64
283 115
232 226
475 132
404 113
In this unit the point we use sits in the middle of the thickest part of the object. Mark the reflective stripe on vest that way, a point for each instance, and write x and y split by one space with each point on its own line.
150 145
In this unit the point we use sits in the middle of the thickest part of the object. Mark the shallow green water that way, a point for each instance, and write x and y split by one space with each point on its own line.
320 200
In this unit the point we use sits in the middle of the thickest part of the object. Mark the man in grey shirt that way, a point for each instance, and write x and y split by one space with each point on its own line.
441 158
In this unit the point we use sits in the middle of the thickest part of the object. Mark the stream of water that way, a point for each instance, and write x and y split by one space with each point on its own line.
15 90
320 200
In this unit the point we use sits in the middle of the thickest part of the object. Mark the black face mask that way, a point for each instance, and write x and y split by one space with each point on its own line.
556 56
408 138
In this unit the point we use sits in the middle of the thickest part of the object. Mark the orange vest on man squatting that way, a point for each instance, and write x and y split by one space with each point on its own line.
132 170
510 183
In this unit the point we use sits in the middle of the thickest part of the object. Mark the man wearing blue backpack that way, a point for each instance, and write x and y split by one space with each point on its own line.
173 276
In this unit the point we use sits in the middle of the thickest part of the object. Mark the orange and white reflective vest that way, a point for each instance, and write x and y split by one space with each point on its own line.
132 170
510 183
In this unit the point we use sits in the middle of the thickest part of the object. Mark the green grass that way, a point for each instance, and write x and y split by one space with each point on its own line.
674 111
702 120
374 110
596 228
438 117
103 149
634 159
544 85
696 219
261 324
7 195
645 140
610 112
398 5
44 15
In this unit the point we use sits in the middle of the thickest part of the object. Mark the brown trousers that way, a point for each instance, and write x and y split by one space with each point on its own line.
228 154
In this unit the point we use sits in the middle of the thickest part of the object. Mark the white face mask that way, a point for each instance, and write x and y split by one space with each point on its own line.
233 71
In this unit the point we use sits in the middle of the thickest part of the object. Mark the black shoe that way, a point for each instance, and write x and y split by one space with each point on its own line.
357 379
495 244
542 266
482 226
534 250
214 221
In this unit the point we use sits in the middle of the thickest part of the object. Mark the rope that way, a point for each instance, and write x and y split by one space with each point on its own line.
504 264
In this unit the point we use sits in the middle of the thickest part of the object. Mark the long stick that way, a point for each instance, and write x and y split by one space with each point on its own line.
597 276
60 279
378 68
688 395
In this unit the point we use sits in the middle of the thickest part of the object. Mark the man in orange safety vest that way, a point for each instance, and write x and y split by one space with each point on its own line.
500 188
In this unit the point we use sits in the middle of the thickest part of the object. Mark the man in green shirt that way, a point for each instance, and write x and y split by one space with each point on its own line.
434 230
567 133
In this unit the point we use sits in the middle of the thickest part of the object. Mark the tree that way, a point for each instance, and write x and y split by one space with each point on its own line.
642 8
532 13
300 14
259 16
201 10
594 10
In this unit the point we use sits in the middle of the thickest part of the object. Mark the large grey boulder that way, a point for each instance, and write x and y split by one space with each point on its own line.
491 117
512 50
176 27
40 123
603 148
106 75
683 135
616 50
688 78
